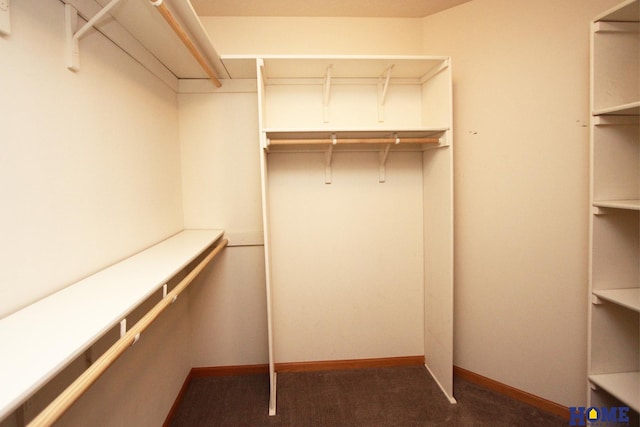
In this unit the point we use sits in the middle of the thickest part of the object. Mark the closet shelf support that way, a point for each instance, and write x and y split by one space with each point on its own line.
383 86
327 160
73 36
326 95
382 172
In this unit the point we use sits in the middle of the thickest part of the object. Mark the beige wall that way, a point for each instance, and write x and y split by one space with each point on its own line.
273 35
88 160
521 150
90 173
221 189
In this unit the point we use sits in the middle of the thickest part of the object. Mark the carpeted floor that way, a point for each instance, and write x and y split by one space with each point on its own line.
398 397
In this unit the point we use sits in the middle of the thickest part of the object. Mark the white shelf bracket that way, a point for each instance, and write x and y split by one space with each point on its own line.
327 159
326 95
89 357
164 293
383 155
73 36
263 71
123 327
383 86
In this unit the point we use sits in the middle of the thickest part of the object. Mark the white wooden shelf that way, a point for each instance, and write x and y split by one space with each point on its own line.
628 109
362 132
629 298
618 204
314 67
142 32
625 386
41 339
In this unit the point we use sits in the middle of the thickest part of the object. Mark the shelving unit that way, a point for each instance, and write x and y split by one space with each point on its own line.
378 128
614 313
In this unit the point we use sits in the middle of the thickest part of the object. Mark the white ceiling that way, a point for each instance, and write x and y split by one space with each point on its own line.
333 8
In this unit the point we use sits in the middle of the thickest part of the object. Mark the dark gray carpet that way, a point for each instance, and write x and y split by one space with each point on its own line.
398 397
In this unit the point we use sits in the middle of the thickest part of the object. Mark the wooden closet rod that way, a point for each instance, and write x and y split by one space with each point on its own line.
72 393
354 141
168 16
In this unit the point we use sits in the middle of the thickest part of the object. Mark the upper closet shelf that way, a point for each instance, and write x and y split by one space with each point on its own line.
342 66
154 33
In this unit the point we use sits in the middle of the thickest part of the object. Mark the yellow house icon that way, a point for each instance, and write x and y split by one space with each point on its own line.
592 415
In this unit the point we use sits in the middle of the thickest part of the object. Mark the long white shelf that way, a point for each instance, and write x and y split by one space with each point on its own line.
624 385
352 132
630 204
41 339
629 298
343 66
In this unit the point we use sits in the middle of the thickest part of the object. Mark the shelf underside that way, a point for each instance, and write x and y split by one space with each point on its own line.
628 11
354 140
629 298
306 66
625 386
